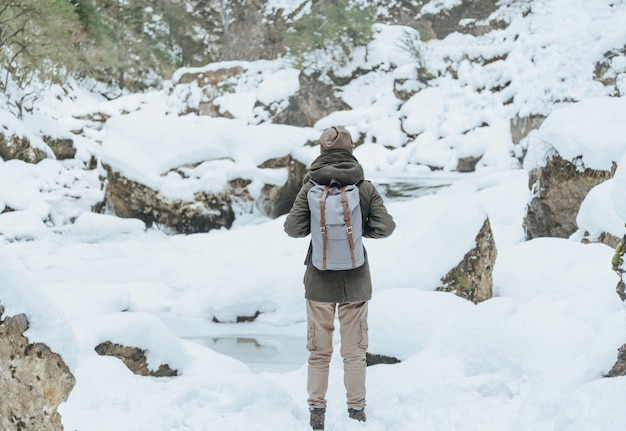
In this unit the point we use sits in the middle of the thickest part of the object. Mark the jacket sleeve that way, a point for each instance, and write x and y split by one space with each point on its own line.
378 222
298 222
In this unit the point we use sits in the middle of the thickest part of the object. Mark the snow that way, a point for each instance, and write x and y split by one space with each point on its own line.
593 130
532 357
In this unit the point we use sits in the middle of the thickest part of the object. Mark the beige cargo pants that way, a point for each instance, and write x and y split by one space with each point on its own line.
353 331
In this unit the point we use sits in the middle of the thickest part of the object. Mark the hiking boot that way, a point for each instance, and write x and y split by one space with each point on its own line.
358 415
317 418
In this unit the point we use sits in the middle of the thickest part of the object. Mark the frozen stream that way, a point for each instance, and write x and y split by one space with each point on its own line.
273 353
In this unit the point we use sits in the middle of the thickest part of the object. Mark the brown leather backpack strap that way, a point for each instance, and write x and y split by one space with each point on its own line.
323 225
346 219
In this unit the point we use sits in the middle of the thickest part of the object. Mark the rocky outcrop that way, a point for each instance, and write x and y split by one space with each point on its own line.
251 31
130 199
558 189
619 369
127 198
34 381
375 359
470 17
606 72
522 126
472 277
465 17
135 359
63 148
211 84
198 91
277 200
19 147
314 100
467 164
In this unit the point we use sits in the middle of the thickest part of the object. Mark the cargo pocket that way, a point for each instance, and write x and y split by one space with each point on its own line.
364 337
310 337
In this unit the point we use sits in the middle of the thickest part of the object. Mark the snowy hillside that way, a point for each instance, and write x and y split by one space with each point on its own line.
531 358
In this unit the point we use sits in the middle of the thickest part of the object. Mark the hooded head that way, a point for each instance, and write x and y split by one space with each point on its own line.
336 138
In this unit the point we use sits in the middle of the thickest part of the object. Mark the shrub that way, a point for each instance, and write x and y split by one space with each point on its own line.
335 29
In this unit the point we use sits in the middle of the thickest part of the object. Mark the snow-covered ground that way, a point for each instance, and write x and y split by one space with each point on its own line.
531 358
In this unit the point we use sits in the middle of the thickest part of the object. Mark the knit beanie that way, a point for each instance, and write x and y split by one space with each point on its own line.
336 138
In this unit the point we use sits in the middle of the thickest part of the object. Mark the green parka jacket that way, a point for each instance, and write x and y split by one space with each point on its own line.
354 285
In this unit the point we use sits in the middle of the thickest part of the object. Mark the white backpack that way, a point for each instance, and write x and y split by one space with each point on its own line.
336 226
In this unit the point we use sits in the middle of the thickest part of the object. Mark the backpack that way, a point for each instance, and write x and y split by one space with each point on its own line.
336 226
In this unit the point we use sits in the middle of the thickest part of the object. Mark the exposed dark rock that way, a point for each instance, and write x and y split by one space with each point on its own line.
558 191
277 200
240 319
252 34
619 369
212 84
467 17
135 359
603 238
467 164
472 277
34 380
605 72
314 100
374 359
19 147
522 126
127 198
621 289
63 148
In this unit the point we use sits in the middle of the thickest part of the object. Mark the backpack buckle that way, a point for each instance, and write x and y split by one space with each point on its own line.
349 229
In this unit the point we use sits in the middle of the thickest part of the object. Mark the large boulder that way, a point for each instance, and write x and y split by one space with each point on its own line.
212 91
135 359
128 198
619 368
63 148
472 277
34 381
131 199
558 189
471 17
277 200
196 90
14 146
314 100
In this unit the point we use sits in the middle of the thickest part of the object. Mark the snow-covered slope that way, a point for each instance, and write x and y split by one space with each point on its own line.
530 358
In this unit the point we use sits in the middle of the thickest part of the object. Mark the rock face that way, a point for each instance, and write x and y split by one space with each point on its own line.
212 84
63 148
277 200
18 147
127 198
472 277
130 199
135 359
375 359
251 31
466 17
522 126
314 100
619 369
558 190
34 381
